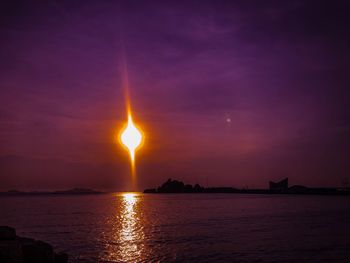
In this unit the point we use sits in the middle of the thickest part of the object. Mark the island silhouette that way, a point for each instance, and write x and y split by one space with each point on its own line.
281 187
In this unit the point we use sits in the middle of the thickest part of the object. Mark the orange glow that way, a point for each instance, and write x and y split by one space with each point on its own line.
132 138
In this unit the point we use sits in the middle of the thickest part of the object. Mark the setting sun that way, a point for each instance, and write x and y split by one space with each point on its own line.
131 138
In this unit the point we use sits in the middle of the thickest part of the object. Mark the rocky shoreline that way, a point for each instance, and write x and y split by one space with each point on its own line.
15 249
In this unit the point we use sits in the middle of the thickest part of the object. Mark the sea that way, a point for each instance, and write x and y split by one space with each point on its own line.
136 227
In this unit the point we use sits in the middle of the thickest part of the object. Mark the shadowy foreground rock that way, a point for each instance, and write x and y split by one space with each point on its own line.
15 249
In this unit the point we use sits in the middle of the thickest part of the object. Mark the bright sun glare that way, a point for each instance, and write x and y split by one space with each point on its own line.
131 137
129 198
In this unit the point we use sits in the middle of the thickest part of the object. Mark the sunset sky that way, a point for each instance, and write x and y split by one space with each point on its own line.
232 93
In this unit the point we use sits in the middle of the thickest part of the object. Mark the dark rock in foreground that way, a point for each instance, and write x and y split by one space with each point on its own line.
15 249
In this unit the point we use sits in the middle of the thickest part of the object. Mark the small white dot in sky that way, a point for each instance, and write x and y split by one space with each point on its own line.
228 120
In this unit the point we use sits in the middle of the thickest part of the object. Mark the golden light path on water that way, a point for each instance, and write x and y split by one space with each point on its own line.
129 236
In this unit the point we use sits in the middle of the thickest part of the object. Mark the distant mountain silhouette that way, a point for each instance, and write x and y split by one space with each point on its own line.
74 191
78 191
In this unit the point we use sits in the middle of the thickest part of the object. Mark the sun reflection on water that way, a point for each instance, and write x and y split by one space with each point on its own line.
128 231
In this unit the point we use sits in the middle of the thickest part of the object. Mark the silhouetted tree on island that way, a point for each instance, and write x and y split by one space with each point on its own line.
174 186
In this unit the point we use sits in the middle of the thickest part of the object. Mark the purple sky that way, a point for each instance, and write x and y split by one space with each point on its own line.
279 70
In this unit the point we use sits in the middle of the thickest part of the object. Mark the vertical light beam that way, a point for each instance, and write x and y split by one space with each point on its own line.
131 137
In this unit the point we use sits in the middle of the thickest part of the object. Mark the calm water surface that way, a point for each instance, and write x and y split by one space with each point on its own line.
186 227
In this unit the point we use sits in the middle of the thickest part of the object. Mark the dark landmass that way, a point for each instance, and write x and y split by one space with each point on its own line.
15 249
75 191
174 186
